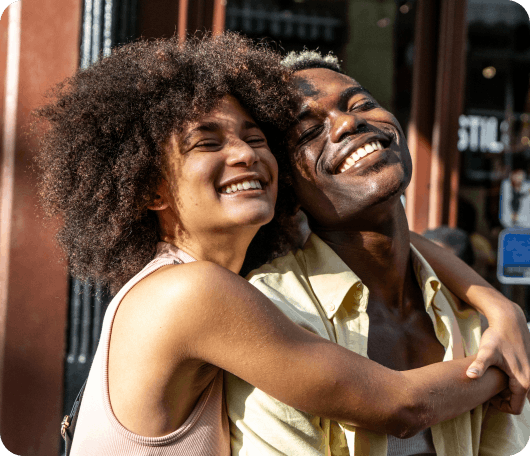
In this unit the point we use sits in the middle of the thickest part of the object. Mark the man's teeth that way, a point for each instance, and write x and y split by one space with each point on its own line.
243 185
361 152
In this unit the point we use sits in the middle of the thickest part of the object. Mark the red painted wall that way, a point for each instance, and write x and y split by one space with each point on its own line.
32 374
3 55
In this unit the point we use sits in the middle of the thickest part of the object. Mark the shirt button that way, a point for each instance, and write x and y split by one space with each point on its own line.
332 307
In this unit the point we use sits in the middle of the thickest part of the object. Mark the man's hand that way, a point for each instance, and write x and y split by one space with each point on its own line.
506 344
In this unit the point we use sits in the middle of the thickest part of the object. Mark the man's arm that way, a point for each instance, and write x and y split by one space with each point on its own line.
506 343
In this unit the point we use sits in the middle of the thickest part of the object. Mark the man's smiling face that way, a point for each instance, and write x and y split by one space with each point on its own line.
348 153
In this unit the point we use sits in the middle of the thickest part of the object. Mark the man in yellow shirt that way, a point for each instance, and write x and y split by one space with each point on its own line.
359 283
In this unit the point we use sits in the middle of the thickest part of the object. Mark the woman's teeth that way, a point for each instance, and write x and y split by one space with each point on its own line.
241 186
361 152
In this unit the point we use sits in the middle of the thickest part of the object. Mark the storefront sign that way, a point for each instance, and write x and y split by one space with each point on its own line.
513 264
480 134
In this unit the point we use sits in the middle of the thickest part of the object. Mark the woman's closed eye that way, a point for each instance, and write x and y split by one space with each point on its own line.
208 145
256 141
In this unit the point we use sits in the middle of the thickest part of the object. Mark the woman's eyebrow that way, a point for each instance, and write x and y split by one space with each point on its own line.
248 124
203 127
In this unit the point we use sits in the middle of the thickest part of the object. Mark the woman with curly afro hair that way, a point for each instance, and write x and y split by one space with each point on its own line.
159 160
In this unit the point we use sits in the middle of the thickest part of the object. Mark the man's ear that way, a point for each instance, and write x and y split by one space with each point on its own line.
161 200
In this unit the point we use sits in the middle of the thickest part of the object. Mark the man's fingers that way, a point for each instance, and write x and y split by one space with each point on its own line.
512 399
508 402
519 381
517 403
518 396
500 404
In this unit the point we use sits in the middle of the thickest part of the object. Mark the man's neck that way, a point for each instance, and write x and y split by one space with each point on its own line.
379 253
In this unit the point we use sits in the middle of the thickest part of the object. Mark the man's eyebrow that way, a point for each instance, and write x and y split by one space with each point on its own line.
350 92
305 111
345 95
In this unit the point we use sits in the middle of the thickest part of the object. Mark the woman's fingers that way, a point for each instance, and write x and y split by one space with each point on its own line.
490 353
486 357
506 350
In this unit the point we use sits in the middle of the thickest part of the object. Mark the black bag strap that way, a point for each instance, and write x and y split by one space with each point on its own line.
69 421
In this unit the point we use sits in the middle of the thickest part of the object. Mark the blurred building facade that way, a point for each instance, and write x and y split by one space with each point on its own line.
455 73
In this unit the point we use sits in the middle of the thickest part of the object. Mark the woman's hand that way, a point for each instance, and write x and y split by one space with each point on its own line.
256 341
506 344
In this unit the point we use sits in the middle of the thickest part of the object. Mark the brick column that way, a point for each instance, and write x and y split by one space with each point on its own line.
42 49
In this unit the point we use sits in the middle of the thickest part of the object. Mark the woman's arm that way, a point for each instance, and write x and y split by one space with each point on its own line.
222 320
506 343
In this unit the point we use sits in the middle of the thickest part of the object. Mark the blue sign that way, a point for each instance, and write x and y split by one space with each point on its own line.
513 265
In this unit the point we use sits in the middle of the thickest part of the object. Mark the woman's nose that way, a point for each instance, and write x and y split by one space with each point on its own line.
242 153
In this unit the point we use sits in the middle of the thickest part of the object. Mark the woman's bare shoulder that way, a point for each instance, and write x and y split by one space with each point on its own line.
198 279
181 298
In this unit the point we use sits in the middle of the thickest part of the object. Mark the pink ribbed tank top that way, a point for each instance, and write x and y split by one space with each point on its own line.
98 432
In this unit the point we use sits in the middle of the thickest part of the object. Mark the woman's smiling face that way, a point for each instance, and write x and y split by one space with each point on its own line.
222 173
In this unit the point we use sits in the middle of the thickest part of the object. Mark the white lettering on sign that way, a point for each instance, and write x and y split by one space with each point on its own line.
479 134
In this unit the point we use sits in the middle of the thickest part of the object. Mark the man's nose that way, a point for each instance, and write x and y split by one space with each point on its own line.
345 124
241 153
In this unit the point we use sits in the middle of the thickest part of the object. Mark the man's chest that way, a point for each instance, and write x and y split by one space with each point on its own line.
402 344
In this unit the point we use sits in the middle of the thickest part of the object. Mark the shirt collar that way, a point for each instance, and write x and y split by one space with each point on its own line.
426 277
330 278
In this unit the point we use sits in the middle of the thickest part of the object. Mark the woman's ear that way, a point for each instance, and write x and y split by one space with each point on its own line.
161 200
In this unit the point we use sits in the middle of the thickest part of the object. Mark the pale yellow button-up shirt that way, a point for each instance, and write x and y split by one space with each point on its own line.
316 289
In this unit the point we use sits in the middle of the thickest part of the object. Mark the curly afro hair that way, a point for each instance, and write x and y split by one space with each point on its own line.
101 153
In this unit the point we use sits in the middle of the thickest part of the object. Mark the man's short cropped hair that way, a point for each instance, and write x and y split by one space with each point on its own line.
304 60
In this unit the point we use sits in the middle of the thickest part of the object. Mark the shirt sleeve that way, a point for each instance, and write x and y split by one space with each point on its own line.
259 424
262 425
503 434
